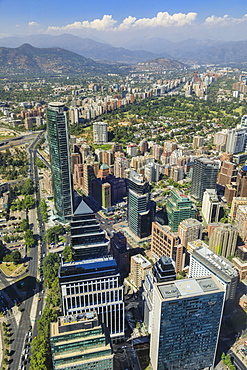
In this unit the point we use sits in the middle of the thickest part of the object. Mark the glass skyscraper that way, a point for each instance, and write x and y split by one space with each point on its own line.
141 209
205 172
58 138
186 323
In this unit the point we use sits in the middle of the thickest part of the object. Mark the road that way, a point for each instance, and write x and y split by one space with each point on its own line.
30 309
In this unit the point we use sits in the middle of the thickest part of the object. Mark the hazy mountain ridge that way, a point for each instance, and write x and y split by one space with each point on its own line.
27 58
85 47
160 63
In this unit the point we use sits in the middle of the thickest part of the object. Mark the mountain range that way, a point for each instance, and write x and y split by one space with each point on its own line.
29 59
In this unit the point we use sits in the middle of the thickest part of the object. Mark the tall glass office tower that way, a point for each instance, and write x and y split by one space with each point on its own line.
58 138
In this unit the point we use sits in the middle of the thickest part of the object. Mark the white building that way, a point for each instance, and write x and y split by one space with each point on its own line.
211 206
100 134
236 140
203 262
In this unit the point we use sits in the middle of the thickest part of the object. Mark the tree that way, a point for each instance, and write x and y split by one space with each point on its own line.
28 238
68 253
27 188
28 202
24 225
16 257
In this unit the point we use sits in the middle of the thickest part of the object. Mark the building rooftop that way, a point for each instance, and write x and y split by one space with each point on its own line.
82 209
142 261
217 264
189 287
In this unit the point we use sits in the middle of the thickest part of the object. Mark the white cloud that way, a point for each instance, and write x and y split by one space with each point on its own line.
224 21
32 24
162 19
107 22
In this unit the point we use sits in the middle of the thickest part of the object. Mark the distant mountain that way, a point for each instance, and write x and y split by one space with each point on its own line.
160 64
85 47
197 51
28 59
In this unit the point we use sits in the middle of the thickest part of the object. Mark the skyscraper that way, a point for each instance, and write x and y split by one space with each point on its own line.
204 177
58 137
186 324
94 285
140 208
179 207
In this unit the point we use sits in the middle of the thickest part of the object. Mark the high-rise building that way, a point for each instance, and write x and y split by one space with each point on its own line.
58 137
211 206
179 207
227 173
87 238
205 172
198 141
120 165
236 202
141 209
100 134
223 240
165 243
203 262
186 324
139 268
143 146
80 342
241 222
94 285
189 230
162 271
236 140
106 195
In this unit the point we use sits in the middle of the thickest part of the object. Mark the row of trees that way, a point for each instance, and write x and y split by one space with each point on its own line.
43 210
40 358
52 234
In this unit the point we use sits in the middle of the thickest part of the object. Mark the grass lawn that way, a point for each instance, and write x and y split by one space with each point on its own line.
103 147
6 137
11 269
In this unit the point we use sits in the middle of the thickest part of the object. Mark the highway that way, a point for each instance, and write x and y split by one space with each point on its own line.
20 341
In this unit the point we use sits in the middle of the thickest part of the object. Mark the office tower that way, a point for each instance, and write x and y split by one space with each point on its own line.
177 172
165 243
120 253
87 238
162 271
179 207
141 209
80 342
100 134
236 202
236 140
205 172
107 157
139 268
241 222
198 141
58 138
94 285
223 240
203 262
227 173
189 230
186 324
211 206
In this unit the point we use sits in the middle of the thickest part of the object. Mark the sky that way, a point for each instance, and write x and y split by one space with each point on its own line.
120 22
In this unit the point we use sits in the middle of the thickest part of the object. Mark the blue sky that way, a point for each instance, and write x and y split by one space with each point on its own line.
116 21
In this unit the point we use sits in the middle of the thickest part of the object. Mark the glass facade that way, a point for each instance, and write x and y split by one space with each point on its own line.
187 318
60 161
204 177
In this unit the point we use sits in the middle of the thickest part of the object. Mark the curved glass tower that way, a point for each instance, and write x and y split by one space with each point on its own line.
58 138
